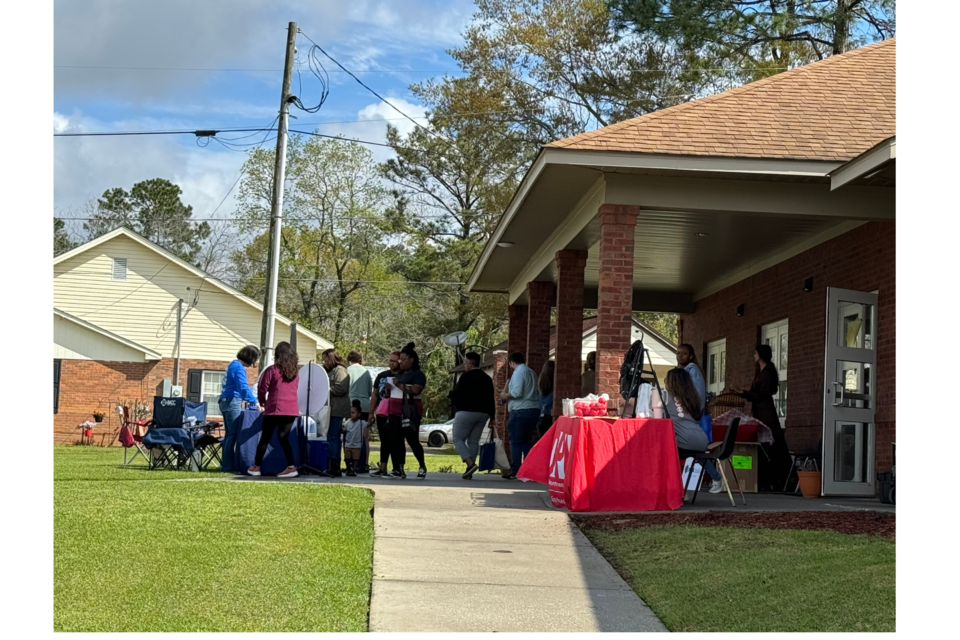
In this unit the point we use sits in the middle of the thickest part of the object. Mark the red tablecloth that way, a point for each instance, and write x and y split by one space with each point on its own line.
608 465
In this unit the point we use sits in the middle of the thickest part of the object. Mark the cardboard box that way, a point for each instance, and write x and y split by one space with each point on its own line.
745 460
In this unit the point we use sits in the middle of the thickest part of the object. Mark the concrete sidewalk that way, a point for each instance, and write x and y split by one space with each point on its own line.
489 555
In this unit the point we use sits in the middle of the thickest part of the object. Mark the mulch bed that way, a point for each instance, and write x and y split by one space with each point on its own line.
852 522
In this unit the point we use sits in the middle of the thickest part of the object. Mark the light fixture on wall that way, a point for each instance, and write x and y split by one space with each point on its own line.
505 245
740 311
701 234
808 284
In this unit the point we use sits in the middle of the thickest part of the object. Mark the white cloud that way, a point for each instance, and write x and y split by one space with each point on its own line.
245 34
84 167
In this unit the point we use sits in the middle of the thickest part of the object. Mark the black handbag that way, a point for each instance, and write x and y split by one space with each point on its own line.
409 413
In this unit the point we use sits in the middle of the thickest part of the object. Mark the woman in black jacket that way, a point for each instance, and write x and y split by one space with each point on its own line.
473 401
766 383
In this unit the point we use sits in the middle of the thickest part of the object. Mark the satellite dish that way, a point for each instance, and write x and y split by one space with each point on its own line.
313 389
456 338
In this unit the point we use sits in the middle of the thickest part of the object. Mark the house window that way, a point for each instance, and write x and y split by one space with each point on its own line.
205 386
775 335
119 268
716 366
56 386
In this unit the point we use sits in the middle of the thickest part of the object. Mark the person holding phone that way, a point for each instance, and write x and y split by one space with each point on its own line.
379 403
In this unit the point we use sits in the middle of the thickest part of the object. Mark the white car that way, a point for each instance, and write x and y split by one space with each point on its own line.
436 435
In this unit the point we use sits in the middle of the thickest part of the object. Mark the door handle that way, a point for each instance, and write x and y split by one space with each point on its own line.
840 403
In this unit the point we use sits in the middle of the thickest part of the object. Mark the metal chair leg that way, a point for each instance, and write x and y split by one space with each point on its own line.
686 486
696 490
726 484
737 480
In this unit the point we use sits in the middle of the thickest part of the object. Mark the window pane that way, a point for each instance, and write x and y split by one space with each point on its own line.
783 353
211 388
781 399
723 367
851 444
712 368
856 378
855 325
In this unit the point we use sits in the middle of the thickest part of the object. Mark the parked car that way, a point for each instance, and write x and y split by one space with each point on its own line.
437 435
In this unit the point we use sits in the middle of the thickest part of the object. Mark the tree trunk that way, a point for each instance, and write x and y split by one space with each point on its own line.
841 27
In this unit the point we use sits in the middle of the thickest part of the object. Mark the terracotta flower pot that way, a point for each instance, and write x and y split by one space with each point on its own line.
809 483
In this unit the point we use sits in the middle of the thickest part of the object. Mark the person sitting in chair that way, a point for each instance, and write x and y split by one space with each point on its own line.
682 404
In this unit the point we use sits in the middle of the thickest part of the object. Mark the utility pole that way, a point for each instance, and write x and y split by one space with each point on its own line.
176 362
276 206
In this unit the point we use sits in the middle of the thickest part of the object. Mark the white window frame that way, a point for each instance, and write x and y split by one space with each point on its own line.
211 405
719 348
774 334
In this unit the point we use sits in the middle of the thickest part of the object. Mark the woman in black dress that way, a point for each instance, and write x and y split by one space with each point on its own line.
775 468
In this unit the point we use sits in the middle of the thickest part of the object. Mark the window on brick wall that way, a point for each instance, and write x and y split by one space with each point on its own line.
716 363
56 385
205 386
775 335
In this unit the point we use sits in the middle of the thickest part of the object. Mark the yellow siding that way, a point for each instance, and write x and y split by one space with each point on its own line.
74 342
142 308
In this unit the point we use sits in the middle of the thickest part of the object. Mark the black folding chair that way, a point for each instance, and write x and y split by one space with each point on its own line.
719 457
210 446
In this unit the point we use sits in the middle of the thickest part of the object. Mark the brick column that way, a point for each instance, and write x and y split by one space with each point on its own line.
566 380
541 296
500 370
615 295
516 342
517 332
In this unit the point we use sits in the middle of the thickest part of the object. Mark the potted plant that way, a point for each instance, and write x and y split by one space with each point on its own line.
98 416
809 480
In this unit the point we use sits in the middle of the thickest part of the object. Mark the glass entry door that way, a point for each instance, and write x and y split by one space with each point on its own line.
850 373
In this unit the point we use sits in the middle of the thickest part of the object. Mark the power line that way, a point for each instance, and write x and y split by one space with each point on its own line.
717 70
200 133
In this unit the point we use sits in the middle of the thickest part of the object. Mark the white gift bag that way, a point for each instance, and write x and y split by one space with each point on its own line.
644 408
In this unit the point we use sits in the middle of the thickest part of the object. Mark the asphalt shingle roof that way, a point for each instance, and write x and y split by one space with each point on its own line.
834 109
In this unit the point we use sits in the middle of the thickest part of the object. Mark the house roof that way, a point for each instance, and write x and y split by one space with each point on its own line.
834 109
149 353
122 231
589 327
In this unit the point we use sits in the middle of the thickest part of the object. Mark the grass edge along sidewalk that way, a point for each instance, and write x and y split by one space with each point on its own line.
735 579
166 555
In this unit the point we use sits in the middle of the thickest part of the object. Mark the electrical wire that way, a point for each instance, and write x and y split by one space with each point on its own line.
316 67
717 70
382 99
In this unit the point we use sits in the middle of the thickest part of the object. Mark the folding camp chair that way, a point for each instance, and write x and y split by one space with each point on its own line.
209 445
131 437
719 457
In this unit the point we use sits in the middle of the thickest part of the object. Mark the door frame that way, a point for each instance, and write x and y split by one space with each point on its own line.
832 411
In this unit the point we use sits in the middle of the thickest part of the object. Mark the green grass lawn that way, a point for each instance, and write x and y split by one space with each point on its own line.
162 554
734 580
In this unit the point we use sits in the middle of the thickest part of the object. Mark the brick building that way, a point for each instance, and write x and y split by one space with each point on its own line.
764 214
116 300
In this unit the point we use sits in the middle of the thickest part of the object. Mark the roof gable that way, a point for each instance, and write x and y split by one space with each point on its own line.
834 109
149 353
122 231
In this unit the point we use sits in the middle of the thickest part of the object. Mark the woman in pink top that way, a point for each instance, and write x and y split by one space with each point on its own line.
277 394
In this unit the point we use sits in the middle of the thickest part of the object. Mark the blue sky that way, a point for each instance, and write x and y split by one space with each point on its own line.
389 45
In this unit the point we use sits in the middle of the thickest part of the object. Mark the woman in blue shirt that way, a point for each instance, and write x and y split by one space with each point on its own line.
236 390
